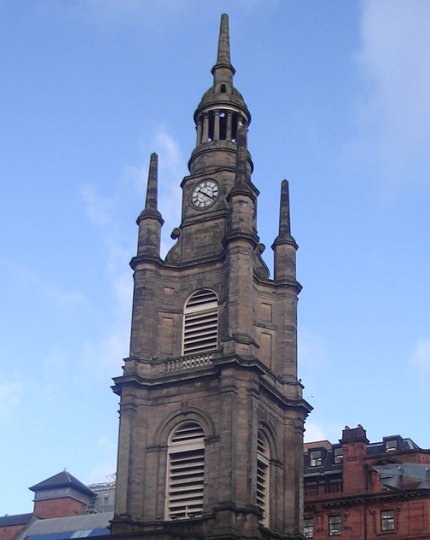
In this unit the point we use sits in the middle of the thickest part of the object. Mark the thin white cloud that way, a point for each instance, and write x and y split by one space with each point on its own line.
420 358
102 357
313 350
55 367
97 207
57 297
136 176
105 469
314 432
171 169
64 299
394 59
137 13
10 397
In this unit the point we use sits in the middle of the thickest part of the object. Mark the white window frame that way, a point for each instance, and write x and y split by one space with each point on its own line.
308 527
335 525
387 520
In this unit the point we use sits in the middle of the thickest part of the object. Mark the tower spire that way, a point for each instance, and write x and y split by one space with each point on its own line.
219 113
223 70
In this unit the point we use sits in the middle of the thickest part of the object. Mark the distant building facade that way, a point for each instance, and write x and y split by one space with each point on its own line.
358 490
354 490
64 508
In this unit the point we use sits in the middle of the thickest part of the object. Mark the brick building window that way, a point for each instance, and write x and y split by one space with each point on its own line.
315 458
387 520
201 322
338 455
263 461
185 475
308 528
391 445
334 525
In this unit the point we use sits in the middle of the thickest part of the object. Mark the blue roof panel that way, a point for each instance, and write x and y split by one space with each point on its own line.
69 535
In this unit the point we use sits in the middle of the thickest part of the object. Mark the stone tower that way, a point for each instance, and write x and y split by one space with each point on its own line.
211 411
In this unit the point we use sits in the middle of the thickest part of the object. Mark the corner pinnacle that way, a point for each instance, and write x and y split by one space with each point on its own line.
284 212
151 202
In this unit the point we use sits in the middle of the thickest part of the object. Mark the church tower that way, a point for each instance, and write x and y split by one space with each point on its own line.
211 410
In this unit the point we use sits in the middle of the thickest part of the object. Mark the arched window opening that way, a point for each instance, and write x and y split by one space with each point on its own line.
234 124
201 322
263 460
223 89
222 125
211 126
185 476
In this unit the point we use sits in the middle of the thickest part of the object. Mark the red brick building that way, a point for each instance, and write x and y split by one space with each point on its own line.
64 508
367 491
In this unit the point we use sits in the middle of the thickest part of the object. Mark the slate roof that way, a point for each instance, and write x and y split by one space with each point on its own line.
404 445
402 476
328 467
85 525
62 479
16 519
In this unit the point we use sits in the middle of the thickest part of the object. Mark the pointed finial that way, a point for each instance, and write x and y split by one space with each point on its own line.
223 71
284 212
151 204
223 56
152 188
150 220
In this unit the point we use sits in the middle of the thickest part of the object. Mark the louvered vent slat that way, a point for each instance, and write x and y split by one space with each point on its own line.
201 322
263 477
186 472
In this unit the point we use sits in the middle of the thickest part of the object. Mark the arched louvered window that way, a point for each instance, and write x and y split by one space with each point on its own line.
201 322
263 460
185 475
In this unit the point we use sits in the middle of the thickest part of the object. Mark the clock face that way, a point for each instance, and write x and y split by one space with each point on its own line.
205 193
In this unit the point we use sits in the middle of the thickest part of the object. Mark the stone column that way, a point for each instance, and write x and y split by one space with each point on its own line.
216 126
199 132
229 121
205 128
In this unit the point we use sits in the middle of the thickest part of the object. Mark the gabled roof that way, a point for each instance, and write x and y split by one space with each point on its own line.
404 476
62 479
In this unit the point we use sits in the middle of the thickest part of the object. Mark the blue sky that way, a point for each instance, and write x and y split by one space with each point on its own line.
338 92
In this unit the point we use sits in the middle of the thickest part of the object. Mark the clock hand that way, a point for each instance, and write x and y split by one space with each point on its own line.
210 195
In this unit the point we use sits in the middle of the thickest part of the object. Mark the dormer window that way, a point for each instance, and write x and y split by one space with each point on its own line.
391 445
338 455
315 458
